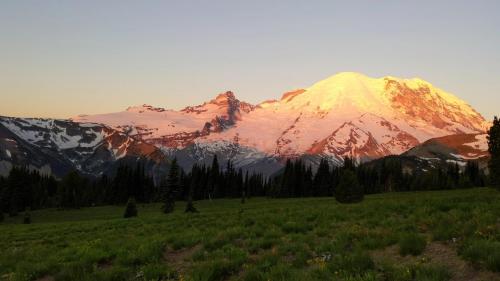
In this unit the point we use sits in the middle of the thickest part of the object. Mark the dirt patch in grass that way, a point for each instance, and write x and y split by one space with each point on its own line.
439 254
177 258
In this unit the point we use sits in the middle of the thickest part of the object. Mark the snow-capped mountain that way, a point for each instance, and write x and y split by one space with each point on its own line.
351 110
175 129
348 114
59 146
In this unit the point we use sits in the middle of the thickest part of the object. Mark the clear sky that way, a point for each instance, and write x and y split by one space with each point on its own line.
63 58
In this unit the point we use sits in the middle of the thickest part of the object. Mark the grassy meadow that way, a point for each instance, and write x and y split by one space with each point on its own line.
434 236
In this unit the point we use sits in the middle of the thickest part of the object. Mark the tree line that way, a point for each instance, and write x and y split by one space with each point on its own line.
29 189
26 189
386 175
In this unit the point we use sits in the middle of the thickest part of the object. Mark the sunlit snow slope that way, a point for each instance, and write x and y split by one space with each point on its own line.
350 114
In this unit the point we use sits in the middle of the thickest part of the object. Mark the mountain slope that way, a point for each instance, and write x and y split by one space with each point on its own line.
397 113
454 148
59 146
176 129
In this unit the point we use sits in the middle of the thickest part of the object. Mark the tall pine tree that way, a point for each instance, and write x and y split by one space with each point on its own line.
349 190
322 185
213 178
190 206
70 190
494 149
171 188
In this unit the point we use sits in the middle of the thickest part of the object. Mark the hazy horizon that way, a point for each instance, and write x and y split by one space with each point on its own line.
62 59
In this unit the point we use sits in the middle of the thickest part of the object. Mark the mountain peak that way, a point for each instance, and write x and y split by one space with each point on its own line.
223 99
344 91
347 75
226 96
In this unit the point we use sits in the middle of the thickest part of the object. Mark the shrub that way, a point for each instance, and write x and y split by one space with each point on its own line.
415 272
254 275
158 271
443 232
190 207
294 227
412 244
349 190
283 272
213 270
483 252
432 273
353 264
130 209
266 262
264 243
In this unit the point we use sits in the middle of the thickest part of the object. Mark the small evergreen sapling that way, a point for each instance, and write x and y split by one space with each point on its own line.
190 207
27 216
130 209
243 197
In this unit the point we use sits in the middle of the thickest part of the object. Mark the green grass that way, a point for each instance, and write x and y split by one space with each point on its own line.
483 252
412 244
416 272
264 239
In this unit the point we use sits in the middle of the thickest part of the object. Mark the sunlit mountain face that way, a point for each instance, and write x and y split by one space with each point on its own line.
348 114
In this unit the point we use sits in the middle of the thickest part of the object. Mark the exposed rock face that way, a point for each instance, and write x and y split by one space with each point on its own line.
423 104
349 140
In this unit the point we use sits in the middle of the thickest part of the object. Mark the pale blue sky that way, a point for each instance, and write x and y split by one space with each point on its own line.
63 58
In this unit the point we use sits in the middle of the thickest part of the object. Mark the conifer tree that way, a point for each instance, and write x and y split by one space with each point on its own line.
321 182
494 149
473 173
27 216
245 188
213 177
171 188
349 190
70 190
130 208
3 194
240 184
287 180
189 206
